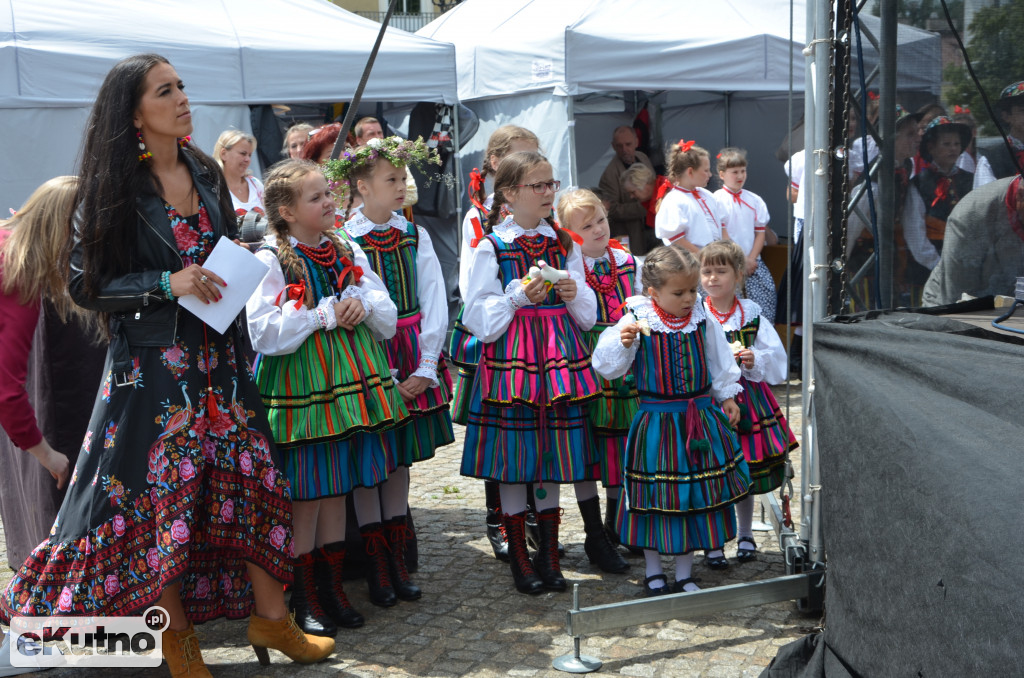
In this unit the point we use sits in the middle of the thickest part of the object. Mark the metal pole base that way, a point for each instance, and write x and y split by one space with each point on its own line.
573 664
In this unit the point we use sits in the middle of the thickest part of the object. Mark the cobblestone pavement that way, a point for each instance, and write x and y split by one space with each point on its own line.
472 622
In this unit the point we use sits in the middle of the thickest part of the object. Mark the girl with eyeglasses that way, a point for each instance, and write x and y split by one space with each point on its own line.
526 421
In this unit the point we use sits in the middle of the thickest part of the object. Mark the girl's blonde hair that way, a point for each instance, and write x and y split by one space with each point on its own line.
227 139
725 253
637 175
730 157
679 160
512 170
665 261
576 201
282 190
39 232
304 127
499 145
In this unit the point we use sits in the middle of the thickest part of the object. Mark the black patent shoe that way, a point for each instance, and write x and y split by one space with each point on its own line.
746 555
652 591
680 586
496 536
716 563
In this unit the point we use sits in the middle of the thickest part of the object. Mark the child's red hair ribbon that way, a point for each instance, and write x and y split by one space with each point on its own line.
685 146
476 180
294 292
963 110
873 96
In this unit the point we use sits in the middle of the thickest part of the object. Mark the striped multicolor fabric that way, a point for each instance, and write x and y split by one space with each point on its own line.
771 438
677 498
464 351
541 359
429 425
613 412
337 386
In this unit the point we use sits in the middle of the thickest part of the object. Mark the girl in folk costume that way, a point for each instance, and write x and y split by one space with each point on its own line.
747 217
315 320
402 255
683 466
527 421
464 349
643 185
689 216
935 191
613 275
176 498
763 431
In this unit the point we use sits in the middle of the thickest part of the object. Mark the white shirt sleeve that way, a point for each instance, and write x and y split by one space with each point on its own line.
983 173
610 358
466 251
280 329
382 314
761 215
915 233
583 308
770 364
489 310
434 310
725 373
670 222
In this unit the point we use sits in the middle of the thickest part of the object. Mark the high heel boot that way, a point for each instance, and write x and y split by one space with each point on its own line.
523 574
401 582
285 636
181 650
495 527
599 550
329 565
378 572
305 602
546 561
610 529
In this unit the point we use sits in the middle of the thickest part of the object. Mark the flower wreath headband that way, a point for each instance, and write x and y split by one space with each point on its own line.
398 151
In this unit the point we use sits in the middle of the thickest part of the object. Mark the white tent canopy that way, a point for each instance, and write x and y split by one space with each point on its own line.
528 61
230 53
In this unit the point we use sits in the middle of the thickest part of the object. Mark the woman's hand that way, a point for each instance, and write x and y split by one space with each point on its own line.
198 281
536 290
349 312
628 334
53 461
413 387
751 266
566 289
732 410
746 358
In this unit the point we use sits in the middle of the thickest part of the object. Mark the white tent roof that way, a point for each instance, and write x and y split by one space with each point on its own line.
55 53
583 46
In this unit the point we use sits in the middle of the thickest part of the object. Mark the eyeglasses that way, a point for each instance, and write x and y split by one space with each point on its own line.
540 187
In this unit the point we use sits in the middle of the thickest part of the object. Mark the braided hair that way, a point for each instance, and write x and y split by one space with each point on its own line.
512 170
498 146
663 262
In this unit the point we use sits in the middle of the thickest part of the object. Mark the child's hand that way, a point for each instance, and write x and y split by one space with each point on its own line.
732 410
413 387
746 358
751 266
349 312
628 334
536 290
566 289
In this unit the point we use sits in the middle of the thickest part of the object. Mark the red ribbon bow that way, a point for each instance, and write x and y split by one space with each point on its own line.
684 146
941 190
476 184
576 237
356 271
294 292
873 96
963 110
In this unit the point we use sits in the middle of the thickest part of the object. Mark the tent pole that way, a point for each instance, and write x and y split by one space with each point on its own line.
728 117
570 113
887 169
458 170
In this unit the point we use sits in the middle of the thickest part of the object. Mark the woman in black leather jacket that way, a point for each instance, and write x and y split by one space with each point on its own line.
176 499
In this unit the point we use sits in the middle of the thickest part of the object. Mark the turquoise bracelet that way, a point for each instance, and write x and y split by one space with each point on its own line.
165 285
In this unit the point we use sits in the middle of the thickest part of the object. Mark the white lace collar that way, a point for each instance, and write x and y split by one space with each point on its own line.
359 225
642 309
508 230
737 320
621 258
271 239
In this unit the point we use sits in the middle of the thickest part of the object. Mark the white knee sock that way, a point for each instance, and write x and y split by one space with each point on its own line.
652 559
513 498
394 494
367 504
585 489
550 499
745 517
684 568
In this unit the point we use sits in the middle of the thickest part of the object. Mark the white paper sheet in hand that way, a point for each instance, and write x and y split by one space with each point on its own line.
241 270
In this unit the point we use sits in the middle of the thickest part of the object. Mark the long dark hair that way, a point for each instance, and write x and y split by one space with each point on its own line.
112 178
513 169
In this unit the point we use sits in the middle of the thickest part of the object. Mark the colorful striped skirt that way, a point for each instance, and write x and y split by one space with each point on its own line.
464 351
539 361
611 415
769 440
684 469
334 468
429 425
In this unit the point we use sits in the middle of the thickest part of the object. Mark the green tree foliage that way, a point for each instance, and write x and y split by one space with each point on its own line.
996 51
917 12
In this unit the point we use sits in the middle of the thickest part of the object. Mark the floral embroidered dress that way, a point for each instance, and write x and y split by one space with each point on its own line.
768 438
613 278
176 481
527 417
402 256
684 468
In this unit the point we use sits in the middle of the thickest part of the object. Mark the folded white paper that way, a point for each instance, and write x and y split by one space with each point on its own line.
241 270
